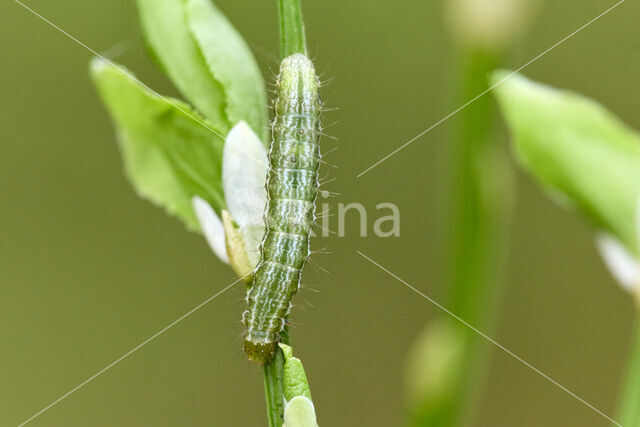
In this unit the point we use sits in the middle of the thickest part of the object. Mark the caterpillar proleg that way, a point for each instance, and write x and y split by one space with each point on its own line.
292 187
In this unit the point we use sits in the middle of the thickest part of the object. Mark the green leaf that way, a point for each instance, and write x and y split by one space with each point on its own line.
299 411
295 379
578 151
292 34
168 36
231 63
170 153
207 60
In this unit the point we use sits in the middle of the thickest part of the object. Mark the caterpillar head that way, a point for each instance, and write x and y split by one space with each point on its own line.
260 353
297 80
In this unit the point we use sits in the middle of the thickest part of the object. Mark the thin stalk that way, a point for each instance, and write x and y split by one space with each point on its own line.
292 34
274 389
482 196
274 385
479 199
629 410
475 203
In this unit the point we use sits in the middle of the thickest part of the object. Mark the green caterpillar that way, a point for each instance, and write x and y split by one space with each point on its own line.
292 186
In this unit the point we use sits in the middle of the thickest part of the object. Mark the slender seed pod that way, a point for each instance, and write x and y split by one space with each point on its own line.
292 187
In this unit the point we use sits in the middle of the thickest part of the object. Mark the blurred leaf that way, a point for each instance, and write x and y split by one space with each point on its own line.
231 63
169 156
578 150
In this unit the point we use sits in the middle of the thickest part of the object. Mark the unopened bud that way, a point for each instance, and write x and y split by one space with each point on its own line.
489 24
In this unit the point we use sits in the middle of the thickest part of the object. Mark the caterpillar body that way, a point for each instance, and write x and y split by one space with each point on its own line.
292 186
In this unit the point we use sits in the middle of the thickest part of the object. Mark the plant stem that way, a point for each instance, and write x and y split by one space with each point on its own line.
292 35
629 410
274 385
274 389
479 200
476 205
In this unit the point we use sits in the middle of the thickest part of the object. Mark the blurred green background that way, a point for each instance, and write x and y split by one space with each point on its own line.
88 270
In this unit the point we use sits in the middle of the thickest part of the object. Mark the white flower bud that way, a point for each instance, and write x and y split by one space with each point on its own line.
300 412
212 227
621 262
488 24
244 173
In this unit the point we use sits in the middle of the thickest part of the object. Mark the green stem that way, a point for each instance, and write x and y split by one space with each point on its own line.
292 35
476 206
274 389
481 199
479 194
629 411
274 384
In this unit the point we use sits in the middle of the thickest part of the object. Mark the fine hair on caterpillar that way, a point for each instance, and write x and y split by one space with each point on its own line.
292 188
